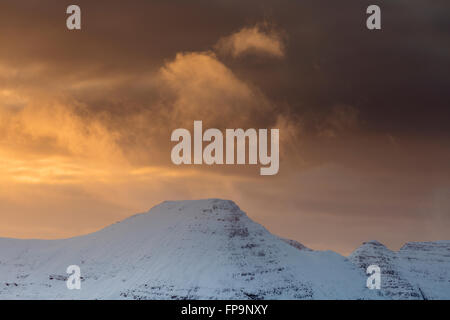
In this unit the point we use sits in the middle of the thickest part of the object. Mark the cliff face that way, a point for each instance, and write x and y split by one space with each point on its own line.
394 283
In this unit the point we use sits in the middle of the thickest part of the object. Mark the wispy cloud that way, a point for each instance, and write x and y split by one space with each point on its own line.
260 39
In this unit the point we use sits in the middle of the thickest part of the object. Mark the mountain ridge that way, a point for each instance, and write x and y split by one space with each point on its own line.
194 249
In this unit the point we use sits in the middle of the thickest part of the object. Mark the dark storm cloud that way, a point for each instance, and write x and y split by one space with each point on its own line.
396 77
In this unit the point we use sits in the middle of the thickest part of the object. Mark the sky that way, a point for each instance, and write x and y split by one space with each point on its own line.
86 116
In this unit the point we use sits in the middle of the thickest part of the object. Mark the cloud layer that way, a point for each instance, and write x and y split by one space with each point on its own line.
85 118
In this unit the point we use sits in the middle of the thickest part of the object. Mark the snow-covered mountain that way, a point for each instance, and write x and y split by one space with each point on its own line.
203 249
419 270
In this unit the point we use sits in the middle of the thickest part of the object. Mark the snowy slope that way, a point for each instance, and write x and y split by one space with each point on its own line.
419 270
204 249
427 265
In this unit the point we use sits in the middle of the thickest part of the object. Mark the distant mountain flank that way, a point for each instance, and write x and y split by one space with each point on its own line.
210 249
419 270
